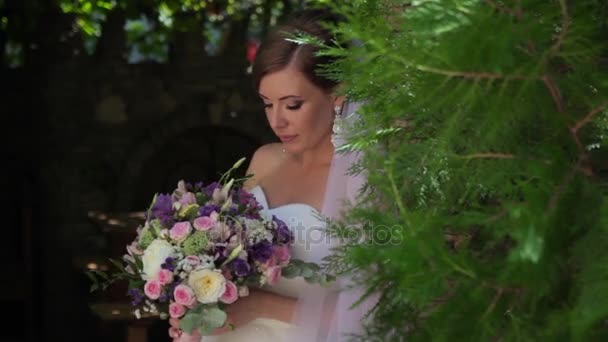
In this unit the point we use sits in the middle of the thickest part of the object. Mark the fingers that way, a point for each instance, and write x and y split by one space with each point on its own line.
174 322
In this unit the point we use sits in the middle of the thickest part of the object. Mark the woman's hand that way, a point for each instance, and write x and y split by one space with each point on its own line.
181 336
258 304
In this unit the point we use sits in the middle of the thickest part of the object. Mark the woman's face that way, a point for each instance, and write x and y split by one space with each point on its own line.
298 112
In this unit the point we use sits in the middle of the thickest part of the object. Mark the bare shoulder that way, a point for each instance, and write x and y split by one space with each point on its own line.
265 159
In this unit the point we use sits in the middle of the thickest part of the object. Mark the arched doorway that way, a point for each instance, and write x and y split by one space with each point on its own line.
198 155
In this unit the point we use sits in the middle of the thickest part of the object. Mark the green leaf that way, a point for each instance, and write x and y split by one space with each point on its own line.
191 321
91 276
307 271
214 317
290 271
201 198
104 275
314 278
117 264
152 205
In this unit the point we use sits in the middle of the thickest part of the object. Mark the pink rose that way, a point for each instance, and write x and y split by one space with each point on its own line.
193 260
271 262
273 274
204 223
180 231
152 289
184 295
282 254
176 310
165 277
231 293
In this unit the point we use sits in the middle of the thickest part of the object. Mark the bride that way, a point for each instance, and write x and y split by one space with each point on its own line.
297 180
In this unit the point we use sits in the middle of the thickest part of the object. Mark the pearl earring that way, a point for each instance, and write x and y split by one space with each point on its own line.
337 126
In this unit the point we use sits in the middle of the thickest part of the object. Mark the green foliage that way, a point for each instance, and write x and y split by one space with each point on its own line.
150 23
484 133
101 280
206 318
311 272
146 237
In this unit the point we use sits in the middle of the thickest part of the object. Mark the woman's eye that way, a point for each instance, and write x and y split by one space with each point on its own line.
267 105
294 106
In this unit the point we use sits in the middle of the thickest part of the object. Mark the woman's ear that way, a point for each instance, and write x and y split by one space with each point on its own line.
339 102
338 94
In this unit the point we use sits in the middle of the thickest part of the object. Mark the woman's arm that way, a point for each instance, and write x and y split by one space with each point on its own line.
261 304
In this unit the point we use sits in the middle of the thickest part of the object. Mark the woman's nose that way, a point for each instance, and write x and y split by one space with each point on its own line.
276 118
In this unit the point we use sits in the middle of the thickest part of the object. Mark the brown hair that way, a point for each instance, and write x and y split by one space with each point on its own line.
278 52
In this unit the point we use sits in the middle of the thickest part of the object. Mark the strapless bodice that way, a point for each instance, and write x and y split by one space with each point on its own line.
307 227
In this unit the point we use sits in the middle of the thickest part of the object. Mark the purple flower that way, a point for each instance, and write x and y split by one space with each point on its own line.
163 209
253 216
165 297
208 209
198 186
137 295
245 194
208 190
282 234
240 267
261 251
169 264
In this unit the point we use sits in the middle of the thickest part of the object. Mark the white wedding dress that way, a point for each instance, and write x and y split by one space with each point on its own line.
304 222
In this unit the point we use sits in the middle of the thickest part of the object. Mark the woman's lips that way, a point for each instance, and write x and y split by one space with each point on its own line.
287 138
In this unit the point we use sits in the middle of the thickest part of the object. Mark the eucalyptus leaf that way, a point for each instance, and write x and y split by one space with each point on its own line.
191 321
307 272
290 271
214 317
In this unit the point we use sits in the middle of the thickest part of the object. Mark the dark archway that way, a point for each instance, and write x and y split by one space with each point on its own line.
199 154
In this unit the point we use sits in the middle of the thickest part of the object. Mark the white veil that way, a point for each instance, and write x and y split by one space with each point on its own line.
324 314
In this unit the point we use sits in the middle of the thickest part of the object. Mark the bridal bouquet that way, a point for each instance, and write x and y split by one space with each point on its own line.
200 249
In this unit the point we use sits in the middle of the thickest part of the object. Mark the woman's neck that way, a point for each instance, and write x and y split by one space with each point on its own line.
320 154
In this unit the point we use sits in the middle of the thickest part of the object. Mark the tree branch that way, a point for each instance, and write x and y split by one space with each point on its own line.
584 121
473 74
489 156
564 29
499 293
555 93
498 156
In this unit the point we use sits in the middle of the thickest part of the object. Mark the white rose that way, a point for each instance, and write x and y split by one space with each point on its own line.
208 286
154 256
